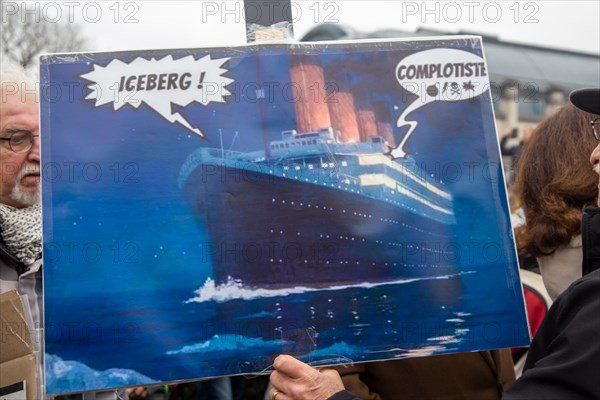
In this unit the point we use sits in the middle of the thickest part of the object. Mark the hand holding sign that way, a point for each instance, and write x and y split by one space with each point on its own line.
460 76
159 83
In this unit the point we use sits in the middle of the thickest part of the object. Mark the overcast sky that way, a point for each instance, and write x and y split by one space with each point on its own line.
129 25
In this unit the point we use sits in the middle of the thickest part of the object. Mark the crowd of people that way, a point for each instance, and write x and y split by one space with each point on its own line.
559 228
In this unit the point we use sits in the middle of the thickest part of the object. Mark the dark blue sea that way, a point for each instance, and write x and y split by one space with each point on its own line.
201 330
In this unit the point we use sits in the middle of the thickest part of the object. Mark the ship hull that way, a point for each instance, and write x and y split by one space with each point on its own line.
270 231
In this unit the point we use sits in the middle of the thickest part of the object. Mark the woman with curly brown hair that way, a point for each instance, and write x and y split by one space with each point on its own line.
555 183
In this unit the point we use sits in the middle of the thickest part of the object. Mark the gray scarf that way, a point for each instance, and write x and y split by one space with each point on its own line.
21 230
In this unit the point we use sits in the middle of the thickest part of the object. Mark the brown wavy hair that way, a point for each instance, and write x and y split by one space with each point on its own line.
555 181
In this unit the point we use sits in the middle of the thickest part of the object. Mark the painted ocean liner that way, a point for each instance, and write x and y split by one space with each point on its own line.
321 207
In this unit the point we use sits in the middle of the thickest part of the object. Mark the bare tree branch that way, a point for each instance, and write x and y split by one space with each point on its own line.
24 37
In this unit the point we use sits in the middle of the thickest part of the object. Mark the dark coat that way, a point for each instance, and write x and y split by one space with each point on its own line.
564 357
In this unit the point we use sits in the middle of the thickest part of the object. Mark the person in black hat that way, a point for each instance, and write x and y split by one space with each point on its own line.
587 100
564 356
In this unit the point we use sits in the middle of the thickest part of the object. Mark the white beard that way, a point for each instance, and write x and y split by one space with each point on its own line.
25 198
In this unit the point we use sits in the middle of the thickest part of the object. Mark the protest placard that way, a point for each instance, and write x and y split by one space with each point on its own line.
208 209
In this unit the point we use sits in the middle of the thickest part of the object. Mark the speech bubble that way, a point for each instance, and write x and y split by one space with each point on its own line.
159 84
438 75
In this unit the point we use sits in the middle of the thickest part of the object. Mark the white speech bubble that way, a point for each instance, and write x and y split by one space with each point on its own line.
438 75
159 84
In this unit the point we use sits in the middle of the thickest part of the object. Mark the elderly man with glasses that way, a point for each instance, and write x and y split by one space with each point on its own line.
20 195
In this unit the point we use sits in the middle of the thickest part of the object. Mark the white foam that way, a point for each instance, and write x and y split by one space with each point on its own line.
236 290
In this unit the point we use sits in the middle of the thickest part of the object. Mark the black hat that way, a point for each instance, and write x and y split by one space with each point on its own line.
587 100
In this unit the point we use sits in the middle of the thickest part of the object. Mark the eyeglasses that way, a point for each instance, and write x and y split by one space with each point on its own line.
20 141
595 123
